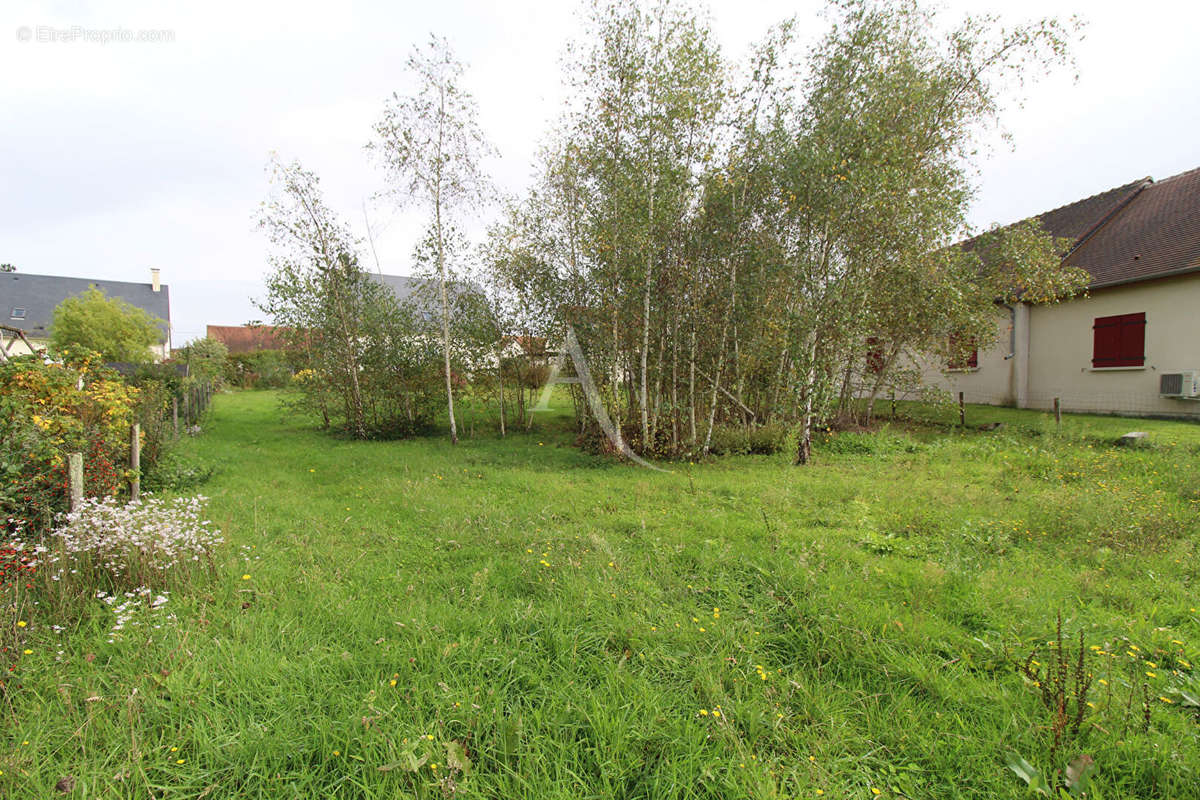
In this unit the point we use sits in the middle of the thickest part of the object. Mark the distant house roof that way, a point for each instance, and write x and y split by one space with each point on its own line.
248 338
28 301
422 293
1143 230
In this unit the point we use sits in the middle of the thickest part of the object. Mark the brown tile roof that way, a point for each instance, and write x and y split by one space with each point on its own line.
248 338
1157 233
1075 220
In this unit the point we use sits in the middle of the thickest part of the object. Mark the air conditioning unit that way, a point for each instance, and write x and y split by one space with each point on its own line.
1183 385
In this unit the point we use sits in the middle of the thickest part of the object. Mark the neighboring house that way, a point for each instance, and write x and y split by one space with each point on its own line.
248 338
28 302
1132 344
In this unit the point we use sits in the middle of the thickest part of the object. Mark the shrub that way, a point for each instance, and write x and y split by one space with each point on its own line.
205 359
176 473
763 440
47 411
262 369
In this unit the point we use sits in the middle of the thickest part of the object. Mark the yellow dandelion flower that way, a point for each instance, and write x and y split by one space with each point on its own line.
21 623
28 652
245 577
392 682
704 712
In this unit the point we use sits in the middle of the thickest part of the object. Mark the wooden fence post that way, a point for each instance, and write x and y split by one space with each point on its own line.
175 414
893 403
75 479
135 461
1058 414
962 411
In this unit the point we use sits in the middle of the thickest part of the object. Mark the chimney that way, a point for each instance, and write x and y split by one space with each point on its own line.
155 282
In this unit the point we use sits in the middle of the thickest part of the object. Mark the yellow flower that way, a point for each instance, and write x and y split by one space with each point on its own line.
179 761
28 652
875 791
392 682
704 712
716 713
1151 674
21 623
429 736
245 577
174 749
433 766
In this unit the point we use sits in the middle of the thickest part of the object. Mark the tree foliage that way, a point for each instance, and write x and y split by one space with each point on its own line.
365 368
430 146
734 243
116 329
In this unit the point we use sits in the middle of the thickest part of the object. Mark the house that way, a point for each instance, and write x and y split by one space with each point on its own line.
28 301
1131 345
248 338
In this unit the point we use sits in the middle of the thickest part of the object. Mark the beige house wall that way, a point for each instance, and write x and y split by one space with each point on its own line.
991 382
1044 352
1060 355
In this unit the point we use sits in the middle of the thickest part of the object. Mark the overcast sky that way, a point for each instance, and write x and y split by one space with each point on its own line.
119 156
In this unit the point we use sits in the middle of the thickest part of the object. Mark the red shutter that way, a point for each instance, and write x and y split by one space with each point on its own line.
875 355
1119 341
956 347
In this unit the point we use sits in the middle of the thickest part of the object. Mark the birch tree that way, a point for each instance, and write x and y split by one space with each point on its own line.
430 147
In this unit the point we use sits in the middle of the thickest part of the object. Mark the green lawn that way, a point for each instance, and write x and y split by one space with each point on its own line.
577 628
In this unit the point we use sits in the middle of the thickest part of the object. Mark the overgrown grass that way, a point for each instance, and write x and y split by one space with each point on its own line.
573 626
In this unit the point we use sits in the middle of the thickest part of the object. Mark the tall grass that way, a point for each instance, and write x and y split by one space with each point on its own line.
538 622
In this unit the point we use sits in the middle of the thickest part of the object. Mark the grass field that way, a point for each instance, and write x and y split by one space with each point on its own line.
387 613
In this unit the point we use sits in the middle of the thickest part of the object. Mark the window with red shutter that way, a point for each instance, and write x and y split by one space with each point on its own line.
1119 341
965 359
875 356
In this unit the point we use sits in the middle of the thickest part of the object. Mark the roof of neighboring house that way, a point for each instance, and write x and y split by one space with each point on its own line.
247 338
422 293
39 295
1156 234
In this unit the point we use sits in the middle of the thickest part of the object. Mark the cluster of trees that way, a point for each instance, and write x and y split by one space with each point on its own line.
732 244
765 244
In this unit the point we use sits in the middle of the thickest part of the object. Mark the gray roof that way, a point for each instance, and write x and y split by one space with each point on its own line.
38 295
422 292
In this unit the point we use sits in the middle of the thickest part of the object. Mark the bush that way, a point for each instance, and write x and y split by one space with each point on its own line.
205 359
764 440
48 411
175 473
262 369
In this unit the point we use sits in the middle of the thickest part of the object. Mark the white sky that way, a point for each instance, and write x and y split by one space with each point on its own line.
121 156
